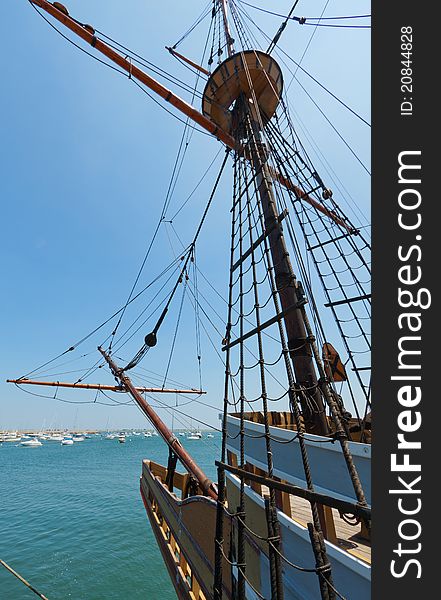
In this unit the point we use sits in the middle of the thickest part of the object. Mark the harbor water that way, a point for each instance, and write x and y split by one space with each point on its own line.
72 521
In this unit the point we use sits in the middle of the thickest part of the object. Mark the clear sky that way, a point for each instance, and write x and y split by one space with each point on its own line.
85 165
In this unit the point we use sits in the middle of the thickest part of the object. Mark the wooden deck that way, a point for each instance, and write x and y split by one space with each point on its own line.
347 537
343 535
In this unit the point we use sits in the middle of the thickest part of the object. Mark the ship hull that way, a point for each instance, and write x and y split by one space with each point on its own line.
185 533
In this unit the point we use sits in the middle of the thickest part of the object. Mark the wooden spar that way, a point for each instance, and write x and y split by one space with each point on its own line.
100 386
173 99
168 436
135 72
187 60
301 195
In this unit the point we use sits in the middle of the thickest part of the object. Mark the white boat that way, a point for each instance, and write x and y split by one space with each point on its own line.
210 435
147 434
78 438
67 442
54 438
196 435
121 439
31 443
10 438
110 436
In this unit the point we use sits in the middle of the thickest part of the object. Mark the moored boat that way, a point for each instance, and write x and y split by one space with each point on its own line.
10 437
33 443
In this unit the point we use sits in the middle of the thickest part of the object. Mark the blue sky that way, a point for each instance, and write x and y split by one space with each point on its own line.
86 161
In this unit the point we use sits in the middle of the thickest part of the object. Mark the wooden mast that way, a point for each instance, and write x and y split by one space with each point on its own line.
291 296
85 32
229 40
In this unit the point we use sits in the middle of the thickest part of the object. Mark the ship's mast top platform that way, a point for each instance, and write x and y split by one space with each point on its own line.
250 73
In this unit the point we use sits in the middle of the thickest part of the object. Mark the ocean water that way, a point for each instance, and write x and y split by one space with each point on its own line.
73 524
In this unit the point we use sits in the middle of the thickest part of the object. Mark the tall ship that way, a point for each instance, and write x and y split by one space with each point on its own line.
288 515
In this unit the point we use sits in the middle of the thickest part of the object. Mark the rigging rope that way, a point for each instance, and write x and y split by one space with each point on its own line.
99 327
298 392
281 29
206 11
23 580
150 339
352 151
197 318
298 65
284 162
303 19
309 42
176 330
158 71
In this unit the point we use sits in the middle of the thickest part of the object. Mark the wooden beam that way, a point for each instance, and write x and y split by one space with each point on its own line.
364 512
100 386
187 60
